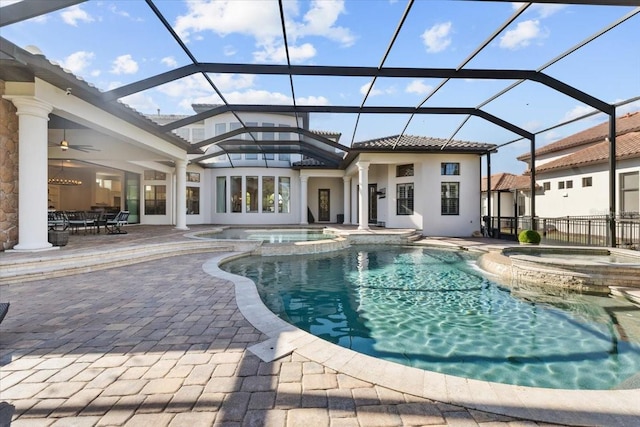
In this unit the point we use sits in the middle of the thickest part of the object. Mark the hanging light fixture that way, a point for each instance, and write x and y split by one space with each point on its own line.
64 145
61 179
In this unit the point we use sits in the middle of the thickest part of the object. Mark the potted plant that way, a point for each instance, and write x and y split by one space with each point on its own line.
529 237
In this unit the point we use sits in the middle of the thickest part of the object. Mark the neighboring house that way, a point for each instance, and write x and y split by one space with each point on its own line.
574 171
509 195
212 169
572 175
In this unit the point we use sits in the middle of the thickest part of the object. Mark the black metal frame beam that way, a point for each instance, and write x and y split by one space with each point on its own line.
17 12
283 129
345 71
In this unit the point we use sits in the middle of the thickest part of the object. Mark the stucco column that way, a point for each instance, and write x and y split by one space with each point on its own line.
33 116
363 195
303 199
346 180
181 194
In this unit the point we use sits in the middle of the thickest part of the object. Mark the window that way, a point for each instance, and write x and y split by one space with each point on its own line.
155 199
450 196
629 196
193 177
234 126
152 175
404 204
254 134
568 184
449 168
284 136
560 185
236 194
546 186
268 136
404 170
284 196
284 157
252 194
268 194
220 128
587 181
221 194
251 156
193 200
197 134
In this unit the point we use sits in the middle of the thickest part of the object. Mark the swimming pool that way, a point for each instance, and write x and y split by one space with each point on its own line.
431 309
274 235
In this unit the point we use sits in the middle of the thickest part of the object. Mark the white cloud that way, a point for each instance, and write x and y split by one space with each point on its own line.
124 64
577 111
522 35
169 61
77 62
196 86
419 87
273 53
253 96
437 37
320 20
365 87
312 100
543 10
74 14
141 102
261 21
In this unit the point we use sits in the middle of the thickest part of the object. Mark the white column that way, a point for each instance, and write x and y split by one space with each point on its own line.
363 195
303 200
181 194
346 180
33 116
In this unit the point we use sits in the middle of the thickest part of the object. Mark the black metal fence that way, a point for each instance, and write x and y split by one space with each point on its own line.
584 230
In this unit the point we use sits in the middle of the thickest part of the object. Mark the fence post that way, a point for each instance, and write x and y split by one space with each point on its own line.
589 232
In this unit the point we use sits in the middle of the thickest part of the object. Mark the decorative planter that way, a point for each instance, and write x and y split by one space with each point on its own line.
58 237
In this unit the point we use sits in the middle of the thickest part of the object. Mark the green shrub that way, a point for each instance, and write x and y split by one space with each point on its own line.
529 236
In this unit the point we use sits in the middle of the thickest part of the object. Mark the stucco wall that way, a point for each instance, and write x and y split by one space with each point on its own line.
8 173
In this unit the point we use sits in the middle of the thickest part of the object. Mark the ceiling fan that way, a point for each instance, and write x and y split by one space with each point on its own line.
64 145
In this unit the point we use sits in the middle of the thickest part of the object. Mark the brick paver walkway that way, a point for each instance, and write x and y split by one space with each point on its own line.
161 343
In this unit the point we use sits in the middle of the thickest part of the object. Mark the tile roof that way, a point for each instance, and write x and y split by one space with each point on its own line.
630 122
308 163
627 146
421 143
507 182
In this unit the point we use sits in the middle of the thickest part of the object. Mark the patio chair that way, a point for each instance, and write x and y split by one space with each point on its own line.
57 220
113 226
79 219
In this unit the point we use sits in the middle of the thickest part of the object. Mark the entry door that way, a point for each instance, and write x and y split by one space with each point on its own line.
373 204
324 206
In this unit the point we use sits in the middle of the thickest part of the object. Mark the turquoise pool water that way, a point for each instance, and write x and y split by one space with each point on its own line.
270 235
432 309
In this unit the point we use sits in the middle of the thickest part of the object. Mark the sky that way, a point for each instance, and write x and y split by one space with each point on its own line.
112 43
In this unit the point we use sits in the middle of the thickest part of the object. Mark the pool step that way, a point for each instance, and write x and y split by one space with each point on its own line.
632 294
50 266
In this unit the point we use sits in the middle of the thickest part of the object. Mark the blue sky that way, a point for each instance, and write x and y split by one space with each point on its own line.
111 43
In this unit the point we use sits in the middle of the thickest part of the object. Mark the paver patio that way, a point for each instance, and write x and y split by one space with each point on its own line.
162 343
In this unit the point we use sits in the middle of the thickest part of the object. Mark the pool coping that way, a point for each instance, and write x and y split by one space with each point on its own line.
570 407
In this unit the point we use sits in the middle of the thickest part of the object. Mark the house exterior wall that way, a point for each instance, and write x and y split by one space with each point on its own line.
579 200
427 180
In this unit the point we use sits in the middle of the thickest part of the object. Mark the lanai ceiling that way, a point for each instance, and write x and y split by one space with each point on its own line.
302 64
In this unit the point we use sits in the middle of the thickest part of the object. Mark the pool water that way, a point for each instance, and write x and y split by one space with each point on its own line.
431 309
271 235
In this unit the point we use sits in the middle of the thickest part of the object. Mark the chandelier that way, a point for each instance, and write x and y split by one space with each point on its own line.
61 179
